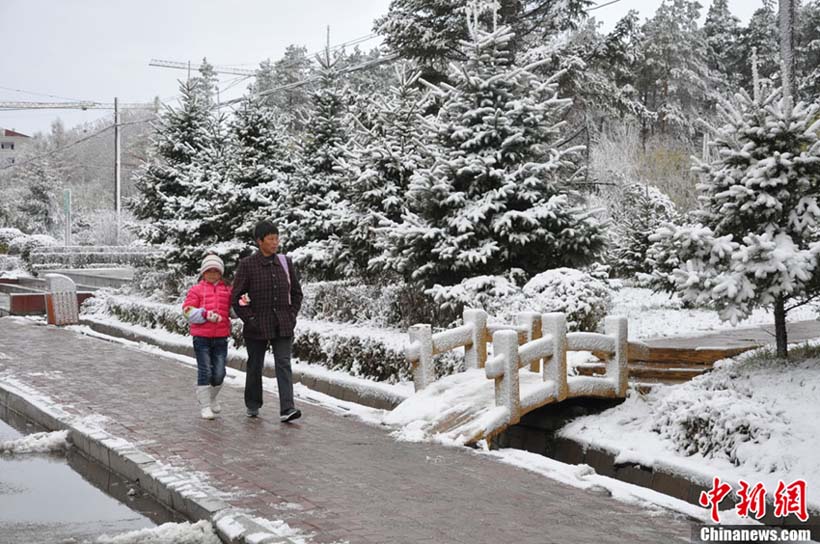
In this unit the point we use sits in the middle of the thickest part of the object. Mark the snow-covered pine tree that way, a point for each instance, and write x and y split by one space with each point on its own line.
172 198
260 161
638 211
381 158
722 30
759 240
808 50
38 211
316 211
497 194
760 34
674 79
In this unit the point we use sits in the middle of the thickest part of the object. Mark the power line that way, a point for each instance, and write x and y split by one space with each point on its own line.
42 94
599 6
72 144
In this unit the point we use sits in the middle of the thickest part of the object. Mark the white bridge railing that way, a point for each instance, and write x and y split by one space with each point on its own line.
537 341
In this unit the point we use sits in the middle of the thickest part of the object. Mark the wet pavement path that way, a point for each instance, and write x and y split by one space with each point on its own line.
333 476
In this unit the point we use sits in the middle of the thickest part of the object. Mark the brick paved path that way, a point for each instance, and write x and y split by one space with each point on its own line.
329 475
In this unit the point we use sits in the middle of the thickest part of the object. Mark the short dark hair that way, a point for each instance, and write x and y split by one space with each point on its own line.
263 228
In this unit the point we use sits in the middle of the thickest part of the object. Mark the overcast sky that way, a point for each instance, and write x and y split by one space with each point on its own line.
57 50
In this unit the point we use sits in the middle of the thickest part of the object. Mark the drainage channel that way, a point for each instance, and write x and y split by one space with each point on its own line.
66 497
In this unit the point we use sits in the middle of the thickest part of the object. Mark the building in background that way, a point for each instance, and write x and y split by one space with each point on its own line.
12 144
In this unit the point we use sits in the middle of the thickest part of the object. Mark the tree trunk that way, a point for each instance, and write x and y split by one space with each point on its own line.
786 22
780 328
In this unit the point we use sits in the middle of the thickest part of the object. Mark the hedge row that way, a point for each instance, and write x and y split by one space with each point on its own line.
358 355
40 259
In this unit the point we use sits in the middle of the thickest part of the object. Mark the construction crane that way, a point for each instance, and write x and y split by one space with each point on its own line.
188 66
12 106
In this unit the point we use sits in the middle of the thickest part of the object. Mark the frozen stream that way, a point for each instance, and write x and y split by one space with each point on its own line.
65 498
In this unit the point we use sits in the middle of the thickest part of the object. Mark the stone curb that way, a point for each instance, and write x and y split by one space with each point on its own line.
121 457
360 394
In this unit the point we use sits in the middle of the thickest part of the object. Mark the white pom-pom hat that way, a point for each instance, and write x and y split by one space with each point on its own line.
211 262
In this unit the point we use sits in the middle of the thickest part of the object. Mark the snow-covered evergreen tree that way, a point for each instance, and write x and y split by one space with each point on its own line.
380 161
176 197
722 30
759 241
638 211
674 80
316 210
808 51
260 160
761 35
496 196
38 211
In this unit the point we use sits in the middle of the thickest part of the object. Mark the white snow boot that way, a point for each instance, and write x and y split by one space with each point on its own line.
215 407
203 395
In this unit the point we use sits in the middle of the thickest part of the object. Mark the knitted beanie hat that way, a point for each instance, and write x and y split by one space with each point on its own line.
212 261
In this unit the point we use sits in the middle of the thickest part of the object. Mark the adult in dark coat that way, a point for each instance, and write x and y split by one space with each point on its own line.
267 297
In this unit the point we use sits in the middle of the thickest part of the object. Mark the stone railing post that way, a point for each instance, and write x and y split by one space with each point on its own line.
421 339
475 355
617 368
532 322
61 300
555 325
507 388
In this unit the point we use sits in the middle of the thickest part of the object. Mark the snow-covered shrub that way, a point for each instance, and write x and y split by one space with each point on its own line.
25 244
662 259
6 236
584 299
716 413
10 262
496 295
90 256
638 210
396 305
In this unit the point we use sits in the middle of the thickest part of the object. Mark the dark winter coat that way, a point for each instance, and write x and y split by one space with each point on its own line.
268 315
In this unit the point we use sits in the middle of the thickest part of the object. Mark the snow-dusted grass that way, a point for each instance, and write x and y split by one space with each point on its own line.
653 315
200 532
56 441
753 418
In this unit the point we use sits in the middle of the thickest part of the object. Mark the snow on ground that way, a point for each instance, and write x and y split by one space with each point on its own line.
752 418
200 532
56 441
653 315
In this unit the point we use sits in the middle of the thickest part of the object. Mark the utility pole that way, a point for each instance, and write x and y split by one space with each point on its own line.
117 185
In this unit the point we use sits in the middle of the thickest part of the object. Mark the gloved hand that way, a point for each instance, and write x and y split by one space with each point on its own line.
245 300
214 317
196 316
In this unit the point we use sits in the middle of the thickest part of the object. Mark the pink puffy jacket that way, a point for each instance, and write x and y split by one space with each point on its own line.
214 297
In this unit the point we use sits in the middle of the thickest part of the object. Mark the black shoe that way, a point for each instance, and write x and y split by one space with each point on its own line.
290 415
252 412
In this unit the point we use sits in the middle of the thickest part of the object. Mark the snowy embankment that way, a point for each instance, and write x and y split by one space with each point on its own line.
753 418
37 443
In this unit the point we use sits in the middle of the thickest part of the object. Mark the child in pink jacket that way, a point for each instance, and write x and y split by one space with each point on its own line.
207 308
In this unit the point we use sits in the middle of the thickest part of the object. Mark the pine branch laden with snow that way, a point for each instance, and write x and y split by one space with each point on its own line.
758 240
495 195
377 168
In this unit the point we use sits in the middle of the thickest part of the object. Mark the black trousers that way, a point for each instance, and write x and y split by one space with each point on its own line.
282 349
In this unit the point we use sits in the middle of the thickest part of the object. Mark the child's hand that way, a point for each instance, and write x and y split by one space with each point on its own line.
245 300
214 317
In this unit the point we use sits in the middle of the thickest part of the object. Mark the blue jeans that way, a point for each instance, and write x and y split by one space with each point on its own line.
210 360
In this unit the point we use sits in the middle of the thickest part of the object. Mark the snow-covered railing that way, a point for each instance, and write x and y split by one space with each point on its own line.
509 357
473 336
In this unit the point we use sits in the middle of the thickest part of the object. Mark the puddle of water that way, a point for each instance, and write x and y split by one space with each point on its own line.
65 497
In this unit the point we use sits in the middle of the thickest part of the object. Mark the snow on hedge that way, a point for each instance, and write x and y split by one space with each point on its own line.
37 443
753 418
200 532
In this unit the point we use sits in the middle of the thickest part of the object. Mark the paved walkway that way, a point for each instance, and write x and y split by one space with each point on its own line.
329 475
797 332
